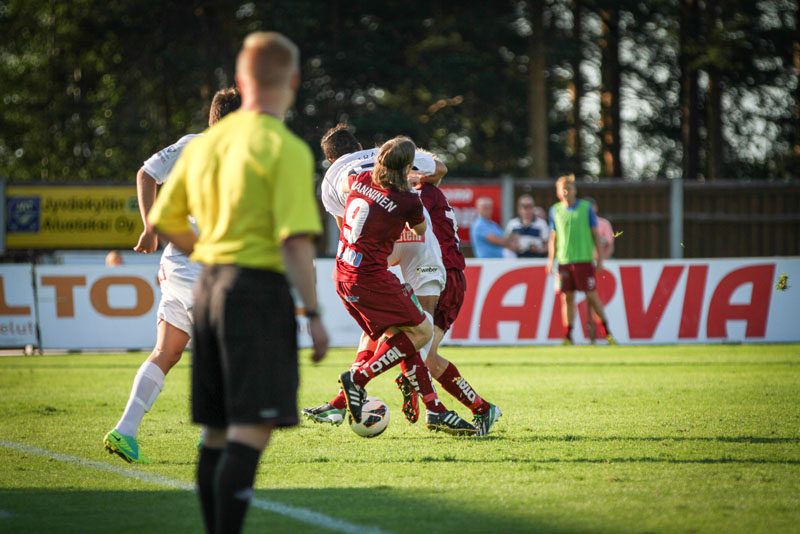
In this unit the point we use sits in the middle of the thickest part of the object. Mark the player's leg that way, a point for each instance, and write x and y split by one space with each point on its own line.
236 472
207 462
410 399
445 372
568 314
596 305
147 385
333 412
259 382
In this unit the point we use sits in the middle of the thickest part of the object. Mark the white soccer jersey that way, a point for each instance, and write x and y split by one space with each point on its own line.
174 263
420 259
356 162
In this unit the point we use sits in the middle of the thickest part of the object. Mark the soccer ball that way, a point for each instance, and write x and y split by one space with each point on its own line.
374 418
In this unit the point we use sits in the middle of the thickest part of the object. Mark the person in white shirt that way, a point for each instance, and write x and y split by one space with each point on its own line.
531 231
176 277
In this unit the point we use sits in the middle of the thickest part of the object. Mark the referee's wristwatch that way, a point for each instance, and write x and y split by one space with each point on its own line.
311 314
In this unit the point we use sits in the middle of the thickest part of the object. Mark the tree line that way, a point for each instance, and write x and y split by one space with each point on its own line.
699 89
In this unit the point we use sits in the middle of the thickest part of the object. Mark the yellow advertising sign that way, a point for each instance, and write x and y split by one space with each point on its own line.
72 216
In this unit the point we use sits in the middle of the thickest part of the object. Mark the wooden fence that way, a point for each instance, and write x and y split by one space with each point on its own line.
720 219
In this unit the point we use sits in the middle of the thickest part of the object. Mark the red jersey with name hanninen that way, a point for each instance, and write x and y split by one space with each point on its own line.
374 218
443 220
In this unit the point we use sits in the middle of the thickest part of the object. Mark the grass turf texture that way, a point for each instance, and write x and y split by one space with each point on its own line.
593 439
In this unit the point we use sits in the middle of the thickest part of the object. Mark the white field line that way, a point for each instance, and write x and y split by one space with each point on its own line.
299 514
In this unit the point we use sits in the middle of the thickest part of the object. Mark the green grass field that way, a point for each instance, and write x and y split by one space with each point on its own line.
593 439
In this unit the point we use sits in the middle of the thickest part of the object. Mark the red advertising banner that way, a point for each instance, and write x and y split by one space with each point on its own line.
462 199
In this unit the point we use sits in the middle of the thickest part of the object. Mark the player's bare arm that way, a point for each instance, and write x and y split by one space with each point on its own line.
185 241
598 246
420 228
146 189
551 251
436 177
298 256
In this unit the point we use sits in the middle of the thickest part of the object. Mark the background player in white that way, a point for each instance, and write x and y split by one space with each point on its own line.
176 276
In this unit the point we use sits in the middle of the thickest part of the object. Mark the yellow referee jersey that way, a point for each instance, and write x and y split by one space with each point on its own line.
249 185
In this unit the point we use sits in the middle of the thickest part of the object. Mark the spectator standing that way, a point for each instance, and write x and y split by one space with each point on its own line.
488 238
532 232
573 238
606 231
249 184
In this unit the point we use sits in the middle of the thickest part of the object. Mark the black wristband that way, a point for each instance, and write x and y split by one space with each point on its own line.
311 314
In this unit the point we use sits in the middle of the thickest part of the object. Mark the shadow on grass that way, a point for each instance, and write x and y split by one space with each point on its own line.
719 439
375 510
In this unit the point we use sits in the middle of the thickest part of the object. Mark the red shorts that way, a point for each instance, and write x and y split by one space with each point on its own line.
451 299
577 277
377 306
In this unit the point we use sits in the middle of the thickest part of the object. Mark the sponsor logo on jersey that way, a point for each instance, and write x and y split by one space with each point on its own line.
428 269
408 236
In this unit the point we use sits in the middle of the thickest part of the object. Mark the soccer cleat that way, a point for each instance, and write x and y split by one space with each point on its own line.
325 413
410 399
354 394
126 447
611 340
485 422
450 423
567 341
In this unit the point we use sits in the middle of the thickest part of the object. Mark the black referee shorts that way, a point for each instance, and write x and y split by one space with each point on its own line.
244 366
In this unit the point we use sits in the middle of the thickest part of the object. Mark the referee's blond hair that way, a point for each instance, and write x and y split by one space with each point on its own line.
270 59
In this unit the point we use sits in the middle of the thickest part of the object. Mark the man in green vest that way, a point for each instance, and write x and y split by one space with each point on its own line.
573 238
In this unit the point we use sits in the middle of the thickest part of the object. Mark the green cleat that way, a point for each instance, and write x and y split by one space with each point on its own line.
325 413
126 447
611 340
485 422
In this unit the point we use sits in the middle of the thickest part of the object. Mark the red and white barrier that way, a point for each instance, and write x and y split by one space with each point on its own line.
508 302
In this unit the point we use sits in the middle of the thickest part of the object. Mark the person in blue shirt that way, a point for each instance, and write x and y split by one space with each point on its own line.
488 238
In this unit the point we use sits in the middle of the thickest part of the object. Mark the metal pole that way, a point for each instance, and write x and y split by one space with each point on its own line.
507 192
676 218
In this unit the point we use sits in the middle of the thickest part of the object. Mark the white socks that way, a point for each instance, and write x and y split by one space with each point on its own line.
147 385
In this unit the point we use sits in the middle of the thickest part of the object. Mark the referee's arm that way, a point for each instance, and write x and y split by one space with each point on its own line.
298 257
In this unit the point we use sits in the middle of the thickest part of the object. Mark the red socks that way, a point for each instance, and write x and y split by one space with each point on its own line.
362 357
457 386
388 354
419 376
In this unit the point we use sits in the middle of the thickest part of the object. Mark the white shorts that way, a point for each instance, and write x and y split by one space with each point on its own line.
420 262
177 302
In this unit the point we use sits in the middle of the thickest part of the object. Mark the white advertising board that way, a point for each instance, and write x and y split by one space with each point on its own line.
97 307
508 302
17 307
512 302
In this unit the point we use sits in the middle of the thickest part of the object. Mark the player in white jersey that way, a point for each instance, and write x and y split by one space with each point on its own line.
419 257
176 278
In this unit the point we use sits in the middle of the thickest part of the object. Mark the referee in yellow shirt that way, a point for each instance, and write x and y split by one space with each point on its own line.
249 185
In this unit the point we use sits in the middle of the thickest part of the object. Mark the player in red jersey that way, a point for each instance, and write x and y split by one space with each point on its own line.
378 208
449 302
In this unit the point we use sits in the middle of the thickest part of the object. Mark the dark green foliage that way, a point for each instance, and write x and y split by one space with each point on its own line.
90 89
